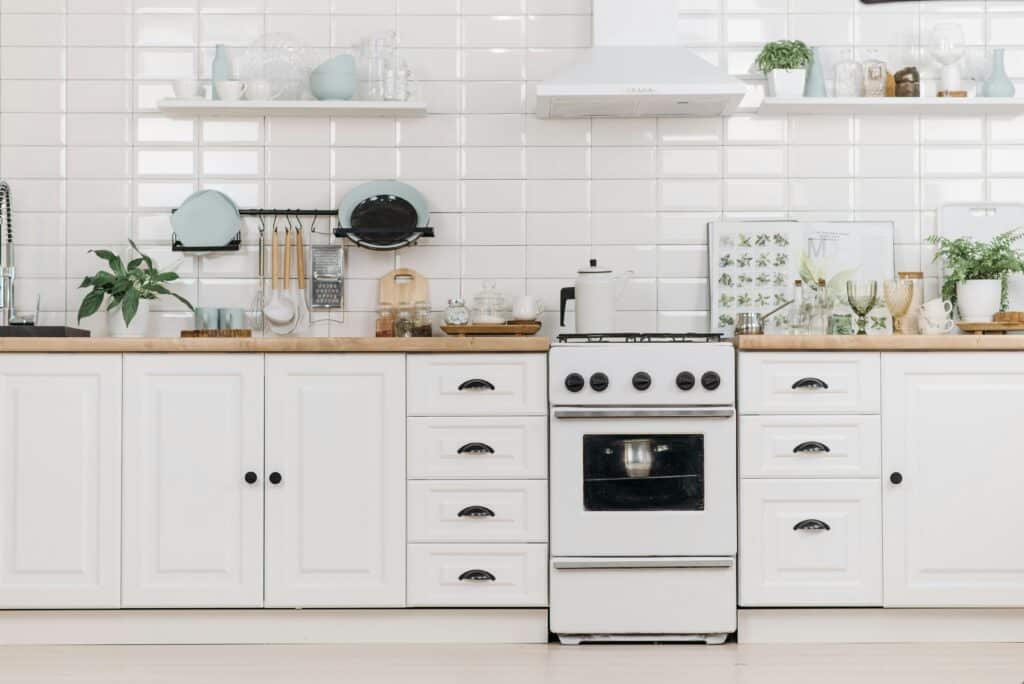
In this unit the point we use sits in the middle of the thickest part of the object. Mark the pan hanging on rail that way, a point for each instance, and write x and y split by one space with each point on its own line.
384 215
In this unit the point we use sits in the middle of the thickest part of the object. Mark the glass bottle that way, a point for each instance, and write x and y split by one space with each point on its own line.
386 321
457 312
796 321
822 309
422 321
404 326
849 76
875 75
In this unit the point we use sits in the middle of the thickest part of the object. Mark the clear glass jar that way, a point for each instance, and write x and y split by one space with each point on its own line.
876 73
489 305
849 76
798 318
422 321
404 326
457 312
386 321
822 309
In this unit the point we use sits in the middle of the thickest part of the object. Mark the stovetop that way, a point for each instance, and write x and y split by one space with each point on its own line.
640 338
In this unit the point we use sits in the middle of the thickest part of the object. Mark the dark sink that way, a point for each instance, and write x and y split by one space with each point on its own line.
41 331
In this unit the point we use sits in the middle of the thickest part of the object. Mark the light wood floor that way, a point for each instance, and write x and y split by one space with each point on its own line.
877 664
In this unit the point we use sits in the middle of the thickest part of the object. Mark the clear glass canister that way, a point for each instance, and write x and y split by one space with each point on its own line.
489 305
422 320
849 76
457 312
404 326
875 75
386 321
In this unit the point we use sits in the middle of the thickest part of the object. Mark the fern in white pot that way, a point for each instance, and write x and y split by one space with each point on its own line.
785 63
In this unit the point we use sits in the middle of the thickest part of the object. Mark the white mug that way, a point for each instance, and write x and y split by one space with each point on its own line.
936 309
930 327
259 89
188 89
229 90
527 308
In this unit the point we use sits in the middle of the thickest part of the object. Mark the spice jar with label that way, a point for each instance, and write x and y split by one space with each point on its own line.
908 82
386 321
457 312
849 76
875 75
404 326
422 321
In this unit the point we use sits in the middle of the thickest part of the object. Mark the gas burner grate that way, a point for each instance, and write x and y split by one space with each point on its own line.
607 338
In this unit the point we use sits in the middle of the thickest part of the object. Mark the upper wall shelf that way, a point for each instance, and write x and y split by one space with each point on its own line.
311 108
894 106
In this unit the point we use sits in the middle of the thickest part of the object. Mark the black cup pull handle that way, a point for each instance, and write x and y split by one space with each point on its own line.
812 524
477 576
811 448
476 384
476 449
251 477
275 478
476 512
811 384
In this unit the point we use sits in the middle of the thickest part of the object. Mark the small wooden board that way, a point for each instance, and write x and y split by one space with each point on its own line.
993 328
224 334
1009 317
521 329
403 286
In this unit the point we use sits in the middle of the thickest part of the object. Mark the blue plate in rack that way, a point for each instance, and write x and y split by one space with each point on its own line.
208 218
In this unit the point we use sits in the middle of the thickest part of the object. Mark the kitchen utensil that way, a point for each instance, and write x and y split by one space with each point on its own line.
471 330
863 296
328 270
207 318
230 91
947 45
231 319
910 319
595 293
335 79
748 323
259 89
899 294
188 89
287 289
638 456
277 311
936 313
526 308
255 313
301 307
384 215
403 286
284 60
207 218
488 305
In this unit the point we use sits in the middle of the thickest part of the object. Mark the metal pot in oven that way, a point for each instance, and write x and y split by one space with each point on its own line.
638 456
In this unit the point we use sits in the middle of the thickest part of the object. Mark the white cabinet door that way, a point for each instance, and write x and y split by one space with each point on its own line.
193 525
951 428
336 519
60 481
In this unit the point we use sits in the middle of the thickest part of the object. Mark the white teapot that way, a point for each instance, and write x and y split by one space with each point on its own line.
596 293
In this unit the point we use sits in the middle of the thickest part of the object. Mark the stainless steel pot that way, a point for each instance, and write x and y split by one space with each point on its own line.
753 323
638 456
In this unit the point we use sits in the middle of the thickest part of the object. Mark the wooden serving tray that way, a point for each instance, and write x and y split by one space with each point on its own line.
520 329
993 328
1009 317
225 334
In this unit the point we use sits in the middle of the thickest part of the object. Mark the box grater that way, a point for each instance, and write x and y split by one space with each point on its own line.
327 277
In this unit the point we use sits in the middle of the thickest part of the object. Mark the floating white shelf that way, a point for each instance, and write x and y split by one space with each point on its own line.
894 106
247 108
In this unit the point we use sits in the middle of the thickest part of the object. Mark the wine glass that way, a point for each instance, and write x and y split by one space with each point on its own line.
898 296
863 296
947 46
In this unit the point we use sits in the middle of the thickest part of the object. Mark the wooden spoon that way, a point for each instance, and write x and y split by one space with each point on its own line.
277 310
301 307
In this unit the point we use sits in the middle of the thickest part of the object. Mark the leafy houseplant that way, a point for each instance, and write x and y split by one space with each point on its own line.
785 64
130 288
976 272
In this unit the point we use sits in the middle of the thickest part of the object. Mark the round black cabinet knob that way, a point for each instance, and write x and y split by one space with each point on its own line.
685 381
575 383
251 477
896 478
599 382
275 478
642 381
711 381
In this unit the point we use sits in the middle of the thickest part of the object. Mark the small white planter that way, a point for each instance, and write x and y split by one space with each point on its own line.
979 300
786 83
139 326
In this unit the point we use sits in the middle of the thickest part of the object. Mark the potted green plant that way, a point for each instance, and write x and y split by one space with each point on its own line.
129 290
976 272
785 64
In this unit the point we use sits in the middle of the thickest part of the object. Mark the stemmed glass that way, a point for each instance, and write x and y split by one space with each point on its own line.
863 296
898 296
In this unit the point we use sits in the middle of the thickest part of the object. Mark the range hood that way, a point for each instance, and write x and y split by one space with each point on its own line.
636 68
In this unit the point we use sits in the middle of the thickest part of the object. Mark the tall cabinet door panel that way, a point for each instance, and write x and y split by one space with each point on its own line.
60 481
336 517
193 525
953 517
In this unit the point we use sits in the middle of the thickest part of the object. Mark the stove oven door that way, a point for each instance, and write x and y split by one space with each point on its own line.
643 482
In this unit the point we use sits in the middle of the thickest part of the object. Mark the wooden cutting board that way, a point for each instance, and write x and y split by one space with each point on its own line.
404 286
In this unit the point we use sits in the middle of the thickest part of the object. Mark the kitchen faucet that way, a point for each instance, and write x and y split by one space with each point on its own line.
6 257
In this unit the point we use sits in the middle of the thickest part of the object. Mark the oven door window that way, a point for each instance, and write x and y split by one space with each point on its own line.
643 472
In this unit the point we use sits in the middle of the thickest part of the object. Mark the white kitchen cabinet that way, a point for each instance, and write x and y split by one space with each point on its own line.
478 384
193 525
60 481
951 428
809 383
336 519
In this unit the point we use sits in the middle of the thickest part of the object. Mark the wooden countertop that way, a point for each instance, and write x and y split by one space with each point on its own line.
282 345
880 343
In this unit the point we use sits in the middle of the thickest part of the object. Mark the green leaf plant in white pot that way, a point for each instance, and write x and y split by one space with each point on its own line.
128 291
785 64
976 272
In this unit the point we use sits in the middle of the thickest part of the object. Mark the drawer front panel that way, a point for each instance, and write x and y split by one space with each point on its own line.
478 448
484 512
477 575
810 446
477 384
818 383
810 543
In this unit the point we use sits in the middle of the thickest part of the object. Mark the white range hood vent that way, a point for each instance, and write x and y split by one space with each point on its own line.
637 69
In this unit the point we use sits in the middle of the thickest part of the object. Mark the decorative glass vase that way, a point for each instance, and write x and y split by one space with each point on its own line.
998 83
815 86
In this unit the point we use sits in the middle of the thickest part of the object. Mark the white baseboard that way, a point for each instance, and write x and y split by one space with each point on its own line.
880 625
82 627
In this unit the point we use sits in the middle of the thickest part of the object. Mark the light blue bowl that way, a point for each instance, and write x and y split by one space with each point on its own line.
335 79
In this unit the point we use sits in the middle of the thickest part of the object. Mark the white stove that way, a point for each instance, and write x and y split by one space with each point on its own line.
643 482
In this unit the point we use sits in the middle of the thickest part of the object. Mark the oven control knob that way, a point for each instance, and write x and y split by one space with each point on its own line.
711 381
686 381
642 381
575 383
599 382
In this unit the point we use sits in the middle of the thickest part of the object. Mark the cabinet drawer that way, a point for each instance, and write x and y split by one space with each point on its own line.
480 448
477 384
810 543
821 382
502 511
810 446
477 575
